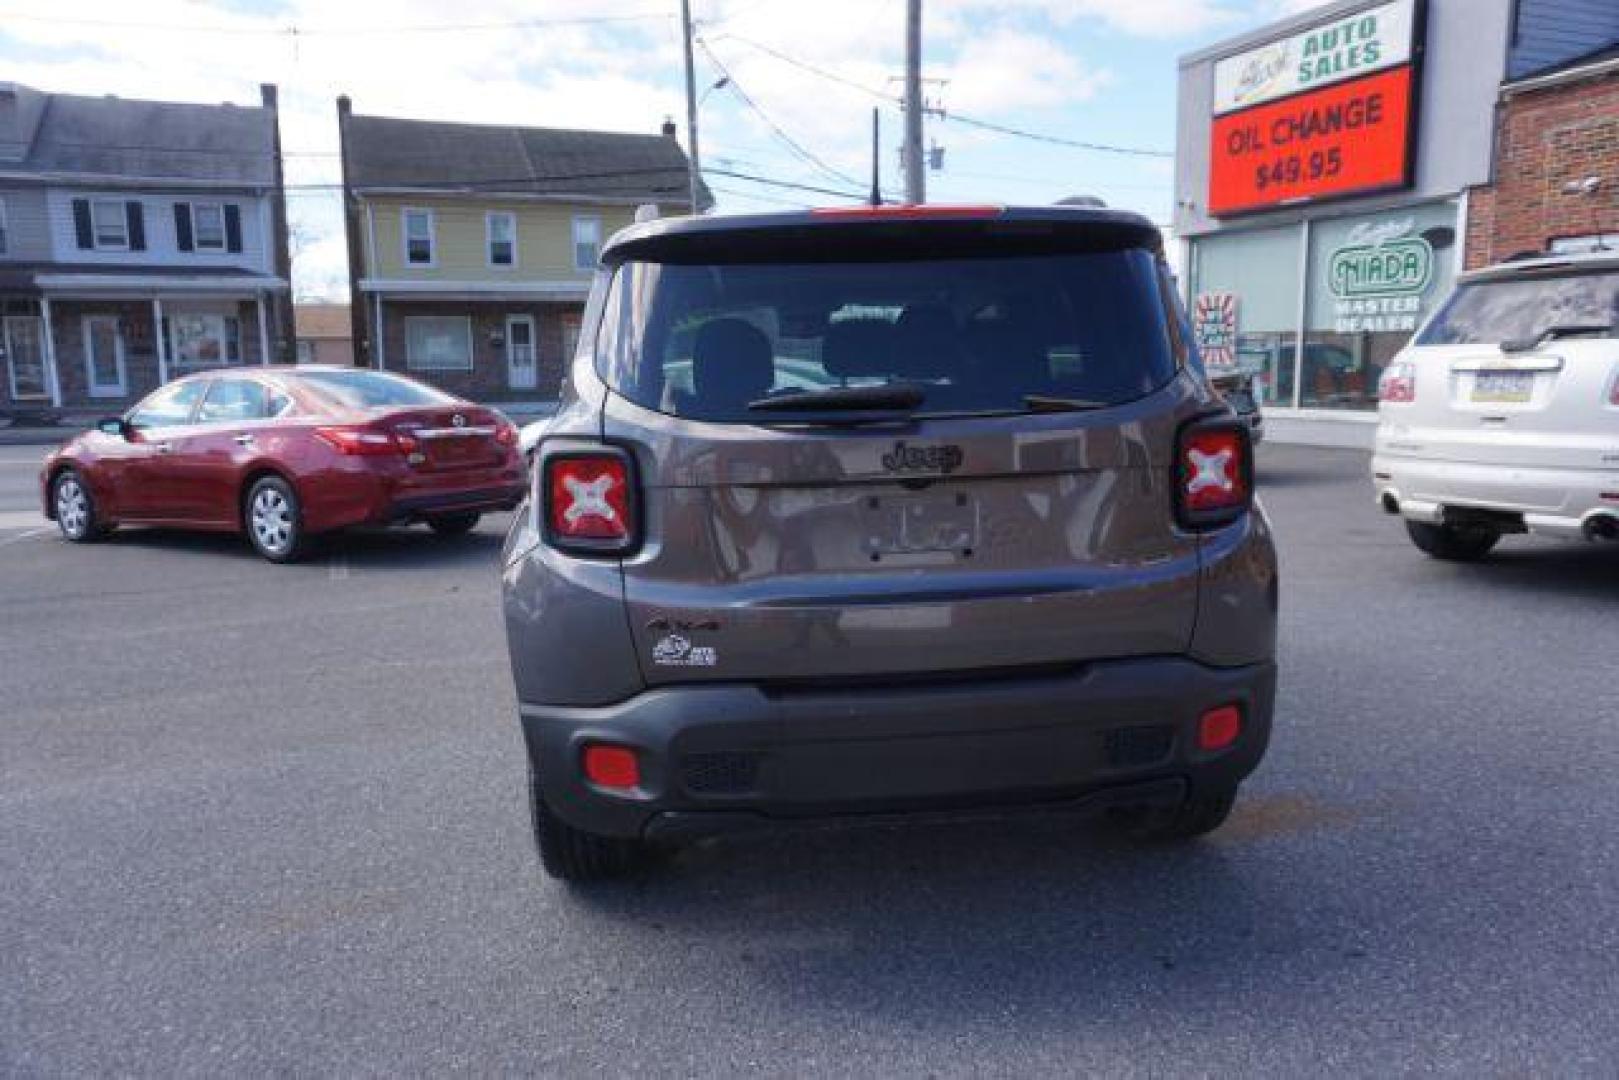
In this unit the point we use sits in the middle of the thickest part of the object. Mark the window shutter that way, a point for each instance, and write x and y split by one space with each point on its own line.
133 213
81 224
233 227
182 226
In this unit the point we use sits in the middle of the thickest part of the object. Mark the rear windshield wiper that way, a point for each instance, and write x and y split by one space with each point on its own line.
1556 331
1048 403
894 397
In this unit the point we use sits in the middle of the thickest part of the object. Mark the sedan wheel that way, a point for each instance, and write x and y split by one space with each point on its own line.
75 510
274 523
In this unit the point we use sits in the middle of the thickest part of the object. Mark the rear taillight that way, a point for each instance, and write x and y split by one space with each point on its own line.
364 441
590 502
1398 384
1613 389
1214 473
505 434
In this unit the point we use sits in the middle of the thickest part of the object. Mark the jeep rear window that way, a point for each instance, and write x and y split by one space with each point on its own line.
977 335
1519 309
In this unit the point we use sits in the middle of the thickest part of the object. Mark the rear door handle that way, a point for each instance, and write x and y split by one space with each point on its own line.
244 440
165 448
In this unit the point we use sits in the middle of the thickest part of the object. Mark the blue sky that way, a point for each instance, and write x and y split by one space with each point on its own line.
1097 71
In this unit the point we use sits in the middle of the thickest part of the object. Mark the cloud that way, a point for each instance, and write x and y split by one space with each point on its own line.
566 67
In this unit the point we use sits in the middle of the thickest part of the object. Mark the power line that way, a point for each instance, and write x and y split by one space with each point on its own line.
787 139
987 125
293 30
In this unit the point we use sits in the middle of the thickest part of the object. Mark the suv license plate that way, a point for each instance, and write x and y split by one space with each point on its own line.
1503 386
908 524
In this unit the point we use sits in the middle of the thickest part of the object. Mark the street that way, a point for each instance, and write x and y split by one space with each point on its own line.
272 819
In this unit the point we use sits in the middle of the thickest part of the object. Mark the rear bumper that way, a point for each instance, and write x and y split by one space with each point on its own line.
1555 502
416 507
722 757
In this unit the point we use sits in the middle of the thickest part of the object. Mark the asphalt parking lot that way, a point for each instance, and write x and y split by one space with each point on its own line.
270 819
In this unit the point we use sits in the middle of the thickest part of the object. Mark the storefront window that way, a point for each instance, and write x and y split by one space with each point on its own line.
1372 280
1245 307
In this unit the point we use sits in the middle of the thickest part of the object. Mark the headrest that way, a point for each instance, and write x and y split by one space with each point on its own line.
732 363
859 348
929 342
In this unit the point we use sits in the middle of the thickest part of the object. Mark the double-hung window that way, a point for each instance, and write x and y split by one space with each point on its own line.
501 227
110 222
208 226
419 242
587 242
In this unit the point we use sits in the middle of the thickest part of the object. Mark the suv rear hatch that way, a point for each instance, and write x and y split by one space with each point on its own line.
1517 369
897 451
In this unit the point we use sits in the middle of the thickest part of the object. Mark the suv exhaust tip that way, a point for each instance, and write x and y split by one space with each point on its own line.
1391 505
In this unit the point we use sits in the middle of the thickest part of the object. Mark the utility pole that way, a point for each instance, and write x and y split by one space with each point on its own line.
694 169
876 158
915 191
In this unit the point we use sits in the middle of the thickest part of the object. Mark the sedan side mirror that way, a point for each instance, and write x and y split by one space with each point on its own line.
115 425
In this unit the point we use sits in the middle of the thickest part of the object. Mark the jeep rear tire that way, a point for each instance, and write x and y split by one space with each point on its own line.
1451 542
571 854
1199 815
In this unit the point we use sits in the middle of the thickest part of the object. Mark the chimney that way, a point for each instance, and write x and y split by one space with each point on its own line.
268 95
669 127
344 106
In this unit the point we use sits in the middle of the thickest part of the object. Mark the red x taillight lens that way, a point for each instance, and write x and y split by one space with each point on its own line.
590 504
1214 474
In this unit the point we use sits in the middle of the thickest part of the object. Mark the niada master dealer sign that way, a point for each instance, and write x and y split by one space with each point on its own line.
1326 112
1379 278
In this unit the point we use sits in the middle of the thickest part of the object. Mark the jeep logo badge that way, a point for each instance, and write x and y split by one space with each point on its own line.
946 458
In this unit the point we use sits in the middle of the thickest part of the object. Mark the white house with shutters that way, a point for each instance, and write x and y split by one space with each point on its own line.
139 240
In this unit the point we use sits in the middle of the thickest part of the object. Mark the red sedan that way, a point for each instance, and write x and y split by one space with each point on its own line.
284 454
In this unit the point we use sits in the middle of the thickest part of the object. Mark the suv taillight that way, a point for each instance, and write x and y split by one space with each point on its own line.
590 504
1398 384
1613 389
1214 473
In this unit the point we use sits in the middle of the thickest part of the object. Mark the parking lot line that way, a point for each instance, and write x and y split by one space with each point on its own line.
29 535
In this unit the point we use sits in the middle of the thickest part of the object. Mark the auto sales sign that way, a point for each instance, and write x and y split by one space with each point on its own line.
1326 112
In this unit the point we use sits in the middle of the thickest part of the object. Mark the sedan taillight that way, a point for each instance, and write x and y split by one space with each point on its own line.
1398 384
364 441
590 503
1214 473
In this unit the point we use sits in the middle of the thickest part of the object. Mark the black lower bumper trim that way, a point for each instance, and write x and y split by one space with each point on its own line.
677 826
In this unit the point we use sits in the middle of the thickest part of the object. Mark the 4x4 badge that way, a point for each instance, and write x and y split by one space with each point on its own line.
945 458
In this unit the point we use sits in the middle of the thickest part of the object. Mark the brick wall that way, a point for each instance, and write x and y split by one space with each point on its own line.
488 380
136 329
1547 142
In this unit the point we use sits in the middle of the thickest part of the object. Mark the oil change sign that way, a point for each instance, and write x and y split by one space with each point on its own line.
1326 112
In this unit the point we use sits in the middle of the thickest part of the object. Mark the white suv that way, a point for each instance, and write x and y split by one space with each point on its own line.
1502 415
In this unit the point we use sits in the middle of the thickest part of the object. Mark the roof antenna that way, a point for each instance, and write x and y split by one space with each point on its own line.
876 158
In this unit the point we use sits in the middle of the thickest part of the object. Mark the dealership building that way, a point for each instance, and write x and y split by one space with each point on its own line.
1335 171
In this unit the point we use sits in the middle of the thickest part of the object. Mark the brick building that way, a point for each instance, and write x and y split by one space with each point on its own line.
1556 178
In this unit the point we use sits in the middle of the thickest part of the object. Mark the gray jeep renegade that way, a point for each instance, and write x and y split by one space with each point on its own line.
852 514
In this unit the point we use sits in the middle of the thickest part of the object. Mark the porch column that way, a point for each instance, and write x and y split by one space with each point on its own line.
264 330
382 353
162 341
48 353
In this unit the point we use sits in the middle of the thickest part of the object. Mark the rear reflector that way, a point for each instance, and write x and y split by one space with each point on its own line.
612 766
1213 474
1219 728
590 503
